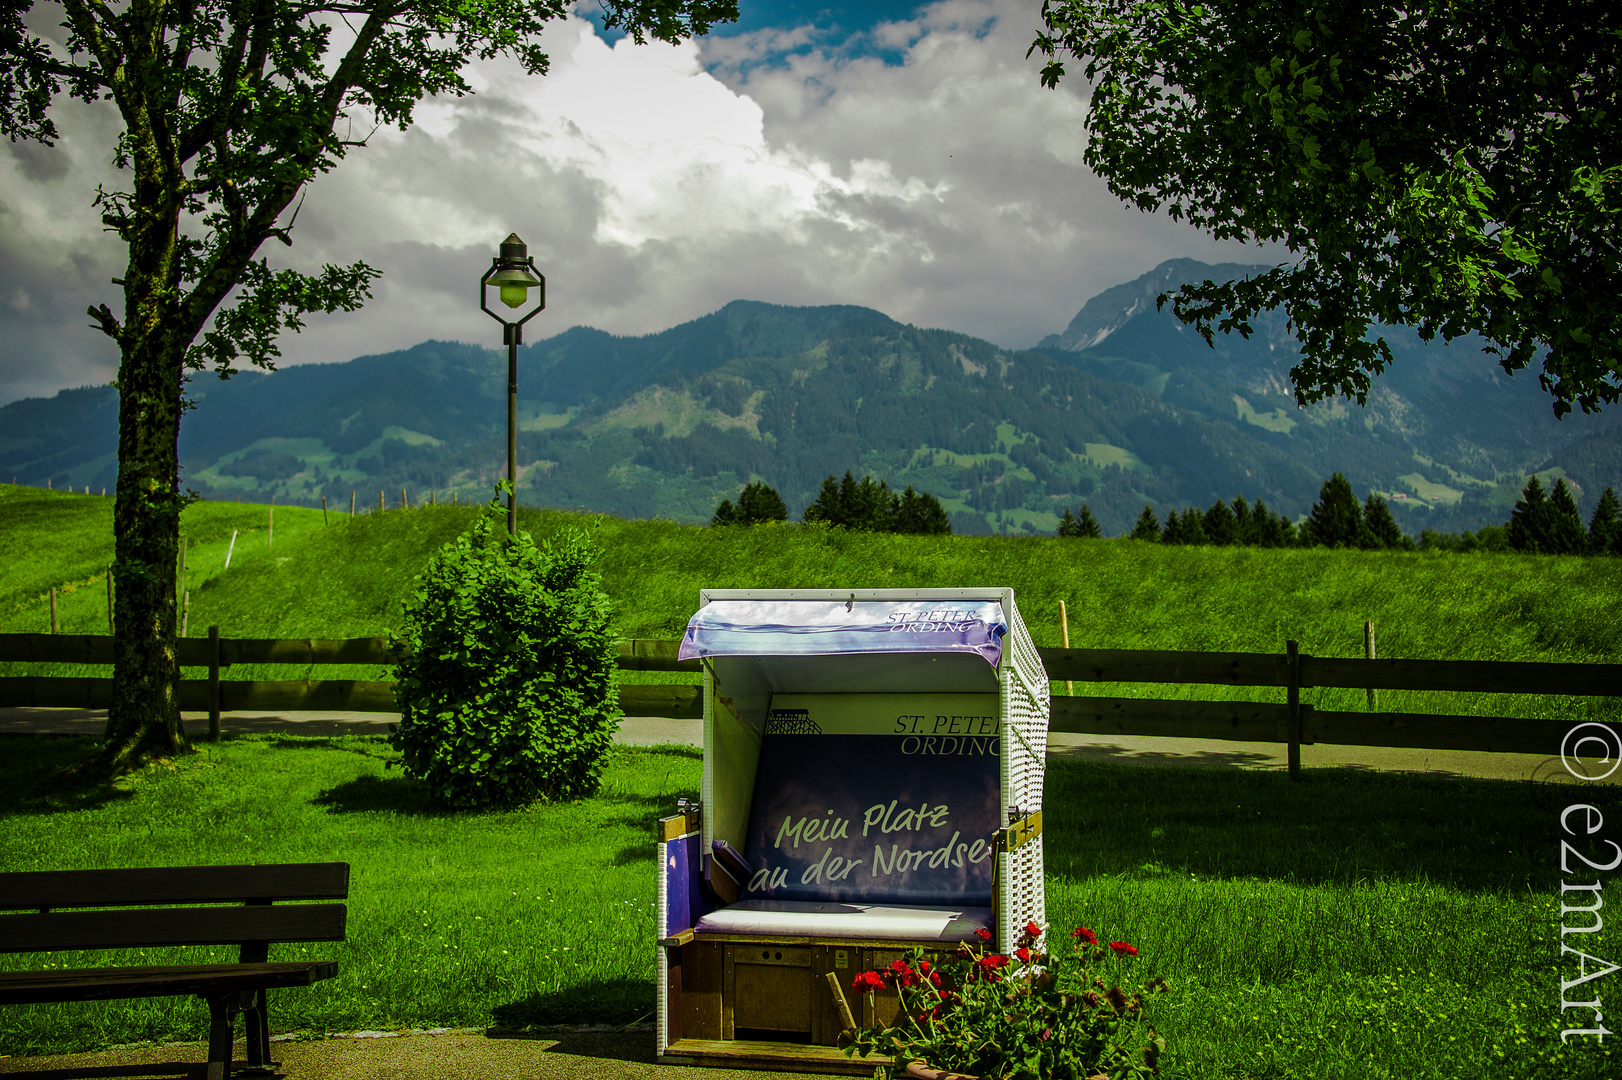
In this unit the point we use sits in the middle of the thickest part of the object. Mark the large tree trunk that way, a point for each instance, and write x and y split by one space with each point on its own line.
144 720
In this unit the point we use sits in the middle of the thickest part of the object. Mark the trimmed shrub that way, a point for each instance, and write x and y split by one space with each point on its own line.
508 692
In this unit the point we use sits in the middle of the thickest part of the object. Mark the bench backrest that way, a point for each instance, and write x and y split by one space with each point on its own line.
35 923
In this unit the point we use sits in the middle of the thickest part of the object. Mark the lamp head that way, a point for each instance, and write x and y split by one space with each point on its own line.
513 277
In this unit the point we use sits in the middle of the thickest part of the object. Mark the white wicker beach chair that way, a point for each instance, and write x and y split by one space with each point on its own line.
873 776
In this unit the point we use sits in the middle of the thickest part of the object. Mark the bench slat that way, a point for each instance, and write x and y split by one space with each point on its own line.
71 930
92 984
173 885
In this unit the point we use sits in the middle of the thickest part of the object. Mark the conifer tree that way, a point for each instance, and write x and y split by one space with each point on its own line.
920 513
1380 526
1244 522
1605 527
1087 526
1336 519
760 503
1529 525
1566 535
1147 527
1067 523
725 514
1172 531
1221 524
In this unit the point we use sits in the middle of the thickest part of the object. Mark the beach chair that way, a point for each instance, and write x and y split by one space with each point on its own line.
873 775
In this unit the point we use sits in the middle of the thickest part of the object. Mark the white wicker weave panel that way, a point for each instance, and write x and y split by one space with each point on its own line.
661 978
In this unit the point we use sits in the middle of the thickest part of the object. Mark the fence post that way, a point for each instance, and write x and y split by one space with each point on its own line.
1292 663
403 504
1368 654
214 684
53 609
351 520
324 521
270 530
381 506
185 610
1064 636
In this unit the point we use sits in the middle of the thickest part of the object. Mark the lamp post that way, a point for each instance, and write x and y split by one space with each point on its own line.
513 272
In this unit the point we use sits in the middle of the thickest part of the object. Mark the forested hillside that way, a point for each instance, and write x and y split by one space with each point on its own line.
1127 407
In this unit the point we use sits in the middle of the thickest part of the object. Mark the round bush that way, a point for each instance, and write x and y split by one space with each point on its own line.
507 693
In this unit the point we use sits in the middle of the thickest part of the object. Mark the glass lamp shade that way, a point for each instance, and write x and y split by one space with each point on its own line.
514 284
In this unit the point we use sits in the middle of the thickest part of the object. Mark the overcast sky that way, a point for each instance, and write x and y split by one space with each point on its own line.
895 155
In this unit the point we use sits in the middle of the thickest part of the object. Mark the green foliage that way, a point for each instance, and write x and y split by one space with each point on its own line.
1605 527
1547 524
1084 526
1336 519
1428 169
1381 527
508 691
1187 528
1040 1014
1147 527
757 505
866 506
1221 524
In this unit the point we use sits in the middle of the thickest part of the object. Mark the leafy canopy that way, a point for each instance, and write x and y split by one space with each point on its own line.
230 107
1449 166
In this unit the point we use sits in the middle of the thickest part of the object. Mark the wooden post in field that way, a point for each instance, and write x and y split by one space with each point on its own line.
431 499
185 611
1368 654
1064 637
453 496
270 530
381 506
324 521
403 504
1292 661
230 548
53 609
351 506
109 598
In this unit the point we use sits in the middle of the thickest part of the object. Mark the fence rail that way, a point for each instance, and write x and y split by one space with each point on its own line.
1291 722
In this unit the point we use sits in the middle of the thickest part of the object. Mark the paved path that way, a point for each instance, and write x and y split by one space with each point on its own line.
1130 749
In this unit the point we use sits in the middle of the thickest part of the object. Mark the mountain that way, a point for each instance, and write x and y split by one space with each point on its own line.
1127 406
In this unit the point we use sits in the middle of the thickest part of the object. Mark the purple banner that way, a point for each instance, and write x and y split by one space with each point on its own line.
824 627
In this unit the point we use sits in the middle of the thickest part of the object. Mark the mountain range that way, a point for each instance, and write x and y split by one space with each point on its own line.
1126 406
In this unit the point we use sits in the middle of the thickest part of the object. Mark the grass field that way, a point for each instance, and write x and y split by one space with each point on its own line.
1350 925
1356 926
347 580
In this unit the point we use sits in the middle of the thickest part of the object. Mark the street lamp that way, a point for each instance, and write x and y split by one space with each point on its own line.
514 273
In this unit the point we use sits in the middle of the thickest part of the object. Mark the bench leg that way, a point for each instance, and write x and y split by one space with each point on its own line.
258 1025
221 1025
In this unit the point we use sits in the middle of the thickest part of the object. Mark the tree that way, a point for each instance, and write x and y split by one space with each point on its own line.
757 503
1381 526
1605 527
1147 527
1087 527
1221 524
229 110
1067 523
1566 525
1450 167
1336 520
1187 528
1546 524
921 514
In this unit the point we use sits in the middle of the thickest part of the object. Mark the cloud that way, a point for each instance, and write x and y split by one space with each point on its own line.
916 167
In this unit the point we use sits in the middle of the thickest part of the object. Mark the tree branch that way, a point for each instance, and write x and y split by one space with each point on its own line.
105 322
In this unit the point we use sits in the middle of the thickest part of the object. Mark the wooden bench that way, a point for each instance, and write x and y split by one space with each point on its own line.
32 919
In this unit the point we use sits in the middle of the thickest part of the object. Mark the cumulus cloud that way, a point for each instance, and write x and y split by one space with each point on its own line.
916 167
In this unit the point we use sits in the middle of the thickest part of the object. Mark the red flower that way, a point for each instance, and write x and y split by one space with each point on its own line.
983 934
935 978
1123 949
1024 954
1032 931
923 967
1084 935
868 980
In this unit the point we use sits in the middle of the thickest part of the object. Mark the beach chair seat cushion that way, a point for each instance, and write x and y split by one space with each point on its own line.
833 919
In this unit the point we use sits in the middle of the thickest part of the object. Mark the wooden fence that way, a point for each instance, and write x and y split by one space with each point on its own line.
1291 722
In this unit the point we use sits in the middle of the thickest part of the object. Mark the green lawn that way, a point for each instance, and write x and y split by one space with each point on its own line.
1352 925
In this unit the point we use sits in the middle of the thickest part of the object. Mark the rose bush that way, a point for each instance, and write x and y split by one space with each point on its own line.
1052 1017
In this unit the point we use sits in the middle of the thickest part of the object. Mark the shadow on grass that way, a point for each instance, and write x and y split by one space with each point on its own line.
370 794
601 1001
32 781
1331 826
